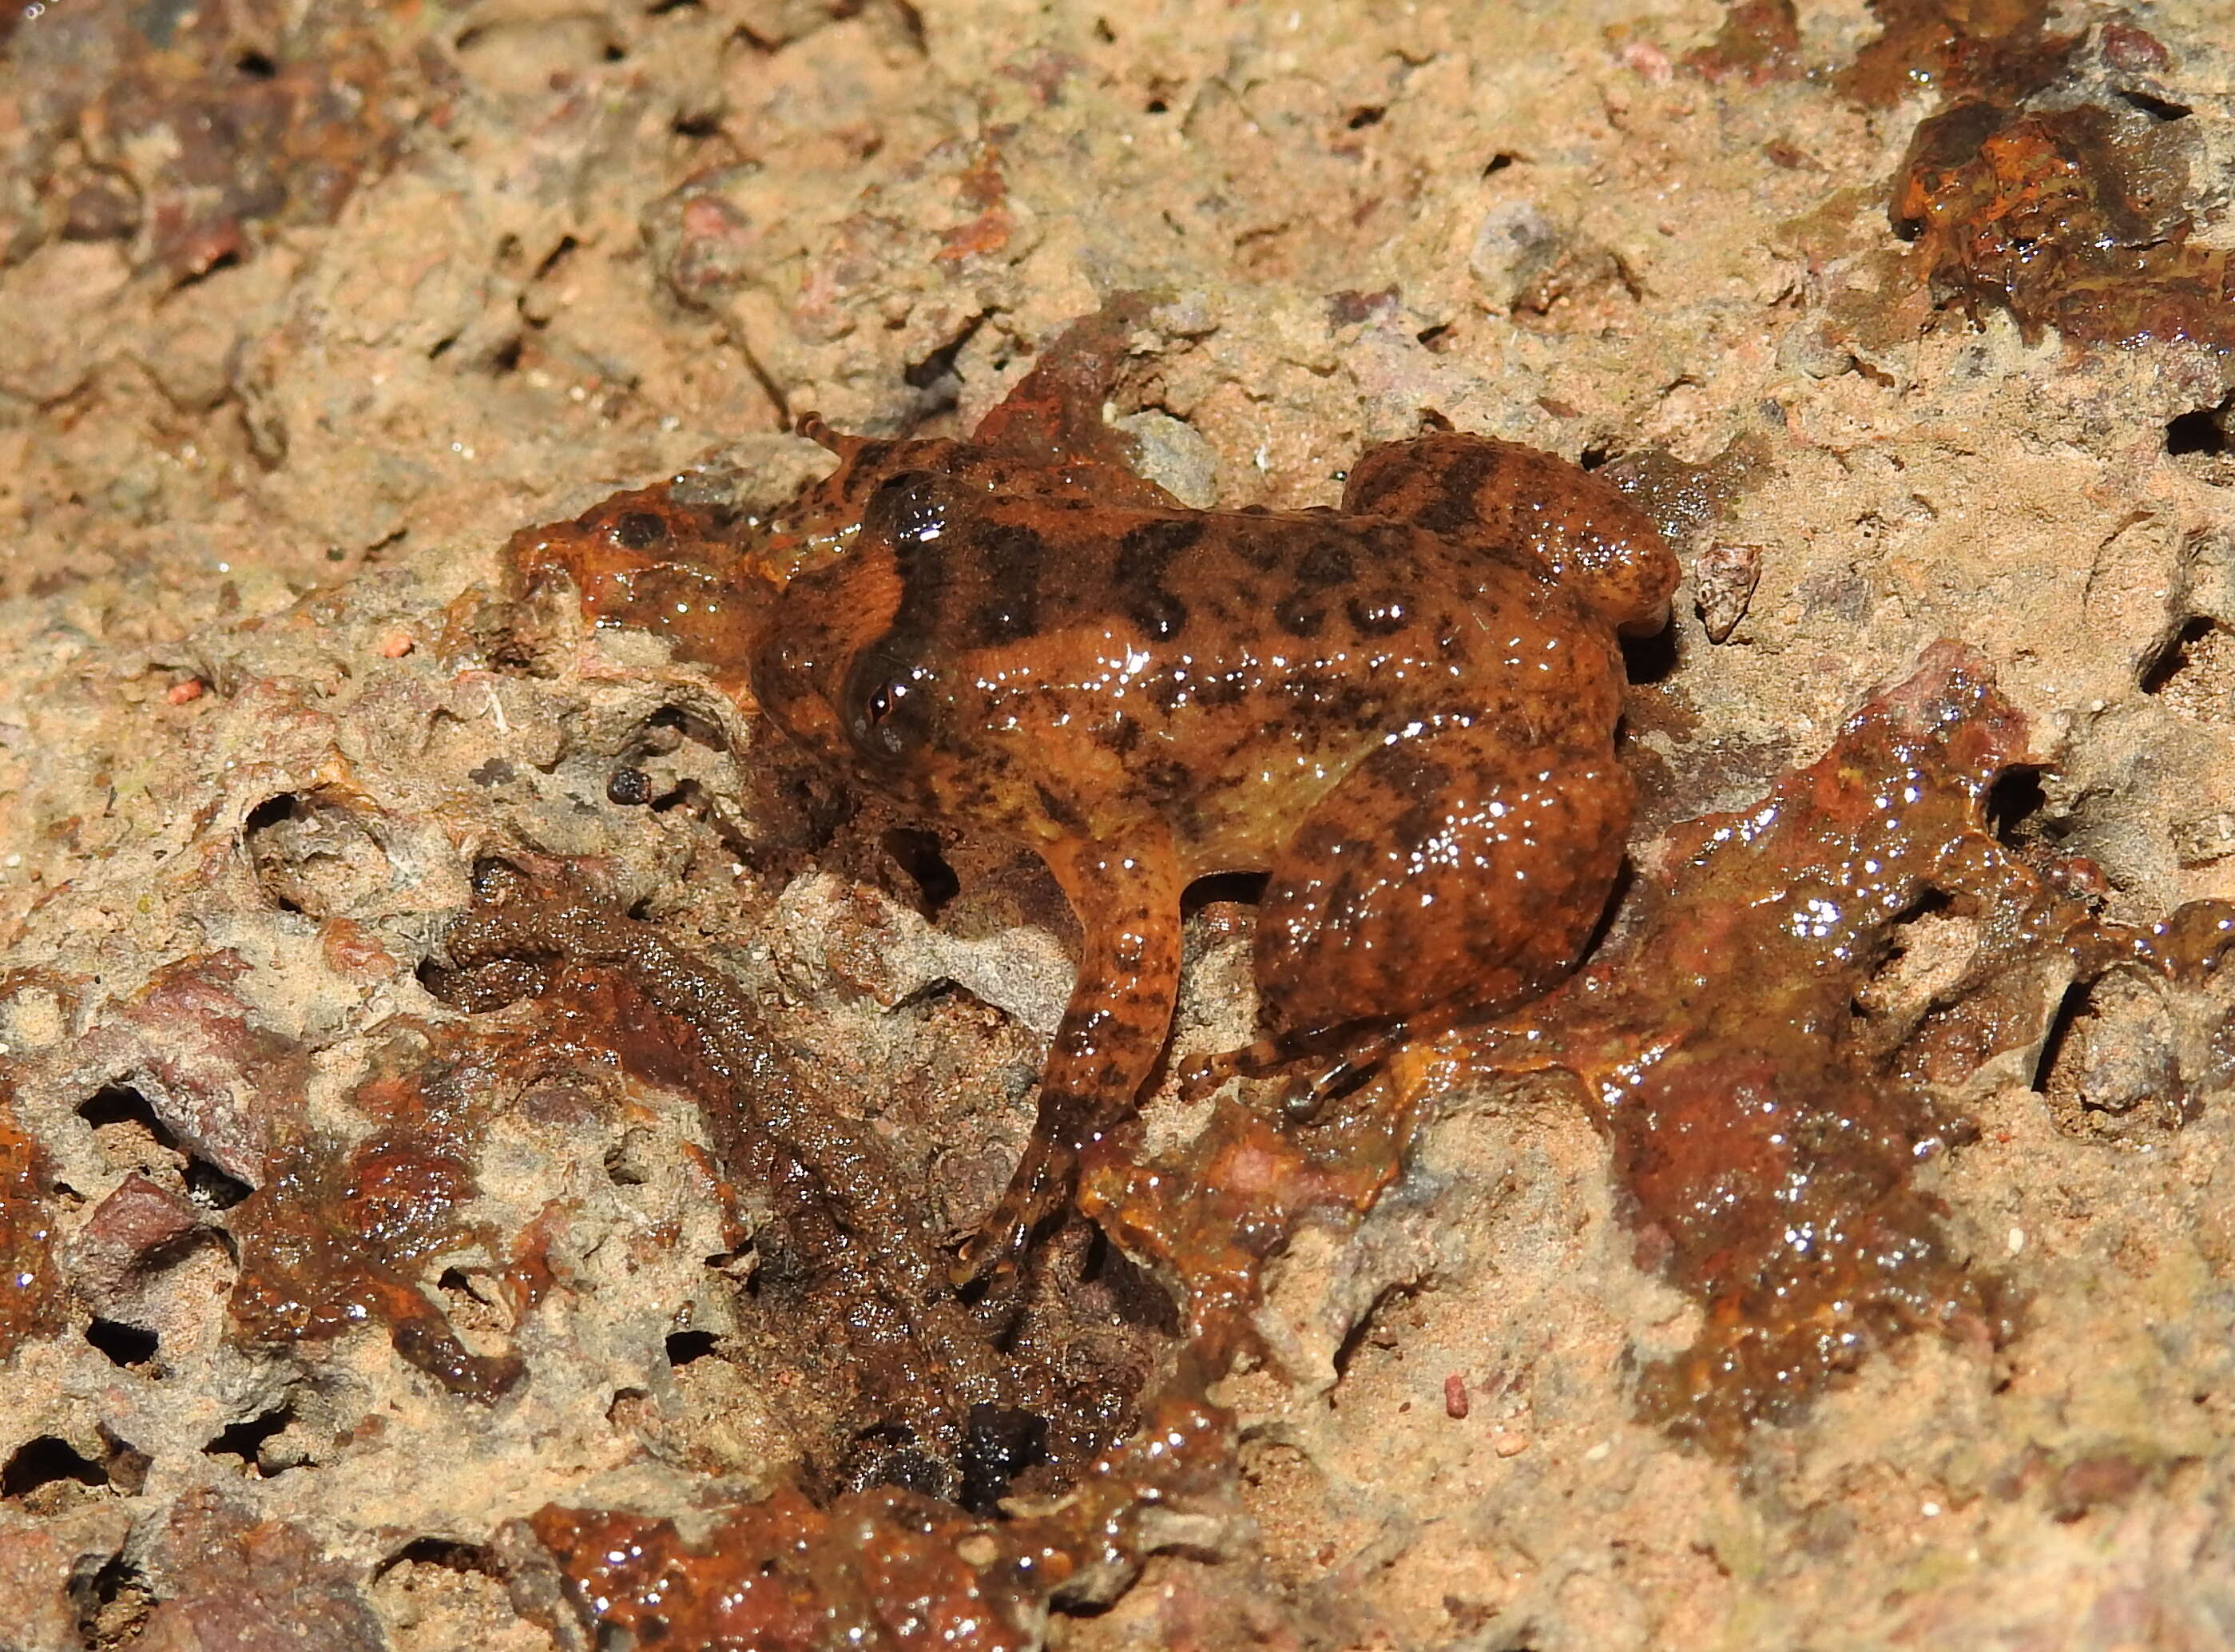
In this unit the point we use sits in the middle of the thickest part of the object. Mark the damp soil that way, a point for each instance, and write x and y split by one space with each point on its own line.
485 1127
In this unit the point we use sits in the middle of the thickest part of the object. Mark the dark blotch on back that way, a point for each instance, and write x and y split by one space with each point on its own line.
898 514
1383 614
1411 773
1166 781
1300 613
1145 556
902 510
1060 810
1012 555
1261 550
1147 549
1339 702
1421 781
1121 734
1161 615
1326 562
1214 690
1463 479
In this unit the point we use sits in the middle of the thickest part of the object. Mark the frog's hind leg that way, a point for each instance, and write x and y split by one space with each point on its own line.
1450 870
1112 1032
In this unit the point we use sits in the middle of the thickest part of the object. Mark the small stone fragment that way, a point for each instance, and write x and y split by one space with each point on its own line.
214 1074
2203 839
1515 244
233 1582
128 1234
1724 577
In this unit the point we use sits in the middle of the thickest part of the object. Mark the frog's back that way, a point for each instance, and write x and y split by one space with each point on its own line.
1220 670
1314 611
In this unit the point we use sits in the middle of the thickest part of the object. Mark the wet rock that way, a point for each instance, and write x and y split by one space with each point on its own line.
255 519
233 1581
132 1232
217 1078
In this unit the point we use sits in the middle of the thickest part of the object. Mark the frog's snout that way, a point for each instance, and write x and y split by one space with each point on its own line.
1649 624
1630 577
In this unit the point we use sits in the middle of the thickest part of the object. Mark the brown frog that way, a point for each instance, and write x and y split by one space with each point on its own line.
1401 710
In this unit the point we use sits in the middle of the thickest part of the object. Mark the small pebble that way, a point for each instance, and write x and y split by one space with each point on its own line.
1508 1445
182 693
396 644
1455 1396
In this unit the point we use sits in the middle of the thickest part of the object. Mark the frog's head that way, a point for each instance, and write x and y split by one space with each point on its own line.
848 666
1599 546
1572 526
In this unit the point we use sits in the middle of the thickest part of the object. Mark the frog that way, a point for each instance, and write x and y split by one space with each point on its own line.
1401 710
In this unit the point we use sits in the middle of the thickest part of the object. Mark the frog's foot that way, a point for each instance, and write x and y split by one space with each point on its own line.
1266 1058
1040 1188
1372 1043
1355 1047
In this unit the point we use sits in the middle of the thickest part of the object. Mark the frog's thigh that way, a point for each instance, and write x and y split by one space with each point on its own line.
1448 866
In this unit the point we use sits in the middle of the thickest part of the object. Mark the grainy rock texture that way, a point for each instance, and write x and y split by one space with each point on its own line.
350 1303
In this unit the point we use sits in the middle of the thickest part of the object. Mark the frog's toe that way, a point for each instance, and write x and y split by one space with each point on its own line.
1308 1101
1039 1188
991 1256
986 1260
1203 1074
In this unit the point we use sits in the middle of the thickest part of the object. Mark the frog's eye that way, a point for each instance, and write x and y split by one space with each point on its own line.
890 710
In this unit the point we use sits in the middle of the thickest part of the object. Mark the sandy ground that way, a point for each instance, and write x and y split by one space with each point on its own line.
308 308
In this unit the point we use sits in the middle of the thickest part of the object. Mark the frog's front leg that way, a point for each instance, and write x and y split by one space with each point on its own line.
1128 902
1460 866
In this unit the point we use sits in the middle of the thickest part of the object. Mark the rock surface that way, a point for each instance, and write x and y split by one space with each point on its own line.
348 1305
